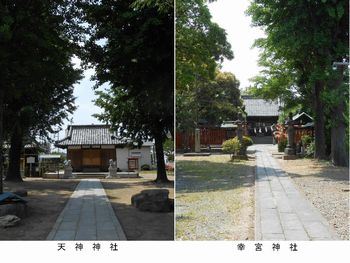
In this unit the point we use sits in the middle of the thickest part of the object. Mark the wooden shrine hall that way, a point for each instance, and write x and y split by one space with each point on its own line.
90 147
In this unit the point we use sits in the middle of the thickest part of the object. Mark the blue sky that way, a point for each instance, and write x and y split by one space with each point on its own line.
84 101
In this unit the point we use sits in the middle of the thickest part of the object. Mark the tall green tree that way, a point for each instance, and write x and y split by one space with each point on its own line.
308 36
131 48
201 45
36 48
210 103
218 100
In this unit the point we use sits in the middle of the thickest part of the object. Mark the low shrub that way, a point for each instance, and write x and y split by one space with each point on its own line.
282 144
145 167
310 150
247 141
235 148
231 146
306 140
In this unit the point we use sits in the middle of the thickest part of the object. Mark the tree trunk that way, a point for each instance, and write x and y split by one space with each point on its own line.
13 173
320 141
161 172
1 140
339 153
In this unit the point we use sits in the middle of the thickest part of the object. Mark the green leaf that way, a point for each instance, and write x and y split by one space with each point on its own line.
331 12
340 11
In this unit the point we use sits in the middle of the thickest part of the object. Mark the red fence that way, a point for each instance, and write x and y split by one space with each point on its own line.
298 133
208 136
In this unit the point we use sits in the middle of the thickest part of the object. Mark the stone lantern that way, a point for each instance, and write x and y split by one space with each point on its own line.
290 149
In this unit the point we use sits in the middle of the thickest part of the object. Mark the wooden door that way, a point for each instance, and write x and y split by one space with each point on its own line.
75 156
91 159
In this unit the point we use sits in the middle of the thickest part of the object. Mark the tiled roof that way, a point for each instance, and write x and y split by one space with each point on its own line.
92 135
89 135
302 118
261 107
228 124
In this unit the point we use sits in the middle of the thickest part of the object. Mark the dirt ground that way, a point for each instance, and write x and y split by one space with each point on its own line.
139 225
214 198
326 186
46 199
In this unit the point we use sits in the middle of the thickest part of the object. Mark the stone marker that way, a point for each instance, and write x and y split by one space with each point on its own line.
197 140
9 220
153 200
240 133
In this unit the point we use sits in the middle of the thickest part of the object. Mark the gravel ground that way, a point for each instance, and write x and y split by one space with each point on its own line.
326 186
214 198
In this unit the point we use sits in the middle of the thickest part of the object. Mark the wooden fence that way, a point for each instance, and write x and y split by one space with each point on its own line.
208 136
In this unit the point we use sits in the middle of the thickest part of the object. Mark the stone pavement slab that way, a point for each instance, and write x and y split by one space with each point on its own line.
88 215
282 212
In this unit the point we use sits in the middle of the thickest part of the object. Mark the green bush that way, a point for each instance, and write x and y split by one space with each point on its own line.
231 146
310 150
247 141
145 167
282 144
234 147
306 140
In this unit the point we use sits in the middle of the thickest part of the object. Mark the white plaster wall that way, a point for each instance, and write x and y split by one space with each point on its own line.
122 158
145 155
124 153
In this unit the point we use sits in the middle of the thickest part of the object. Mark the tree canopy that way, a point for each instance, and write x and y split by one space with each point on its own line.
131 49
36 48
200 43
303 39
203 93
209 103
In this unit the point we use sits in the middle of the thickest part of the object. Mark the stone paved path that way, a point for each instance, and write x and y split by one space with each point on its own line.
88 215
282 212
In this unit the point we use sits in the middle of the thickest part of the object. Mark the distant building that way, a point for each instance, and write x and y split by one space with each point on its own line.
90 147
261 115
28 158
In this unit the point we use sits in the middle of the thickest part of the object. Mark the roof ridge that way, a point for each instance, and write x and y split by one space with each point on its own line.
90 125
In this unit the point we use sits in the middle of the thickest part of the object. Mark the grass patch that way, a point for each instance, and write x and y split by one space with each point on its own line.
214 198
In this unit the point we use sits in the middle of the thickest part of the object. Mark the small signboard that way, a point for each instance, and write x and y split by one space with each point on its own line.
31 159
133 164
135 154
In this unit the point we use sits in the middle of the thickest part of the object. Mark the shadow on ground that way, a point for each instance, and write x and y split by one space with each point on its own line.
313 168
46 199
139 225
206 176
